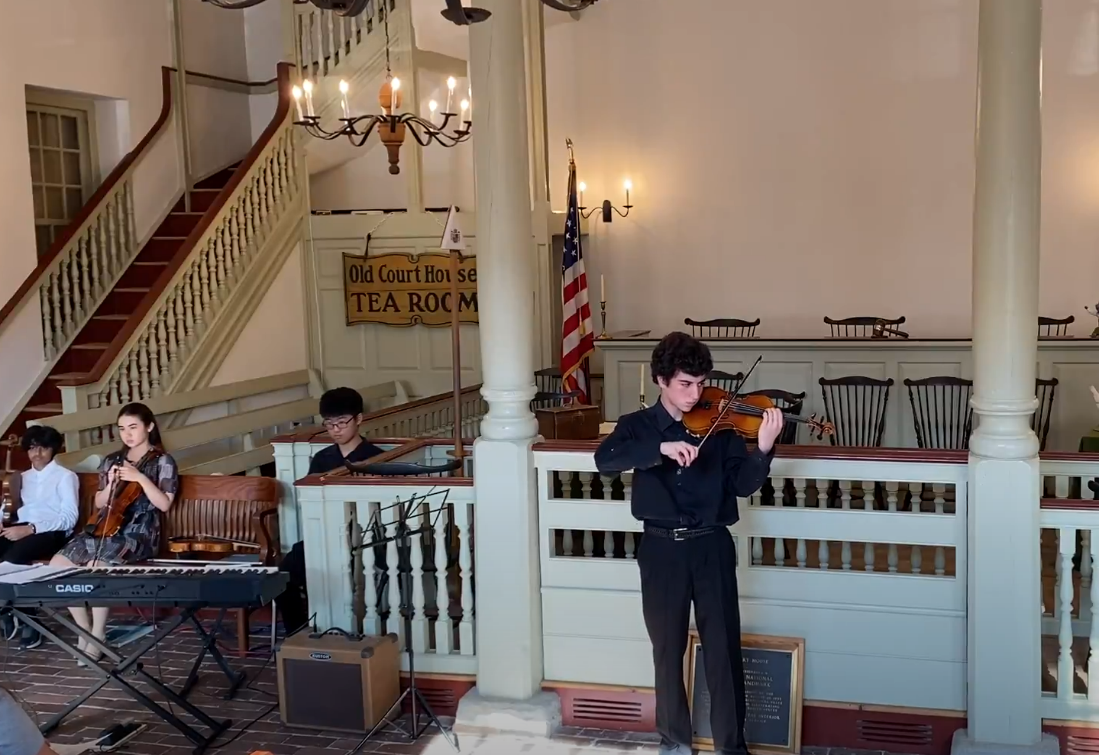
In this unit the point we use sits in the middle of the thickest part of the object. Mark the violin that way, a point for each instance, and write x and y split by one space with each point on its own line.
113 515
718 410
7 502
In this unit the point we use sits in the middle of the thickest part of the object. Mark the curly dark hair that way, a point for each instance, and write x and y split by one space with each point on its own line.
42 436
679 352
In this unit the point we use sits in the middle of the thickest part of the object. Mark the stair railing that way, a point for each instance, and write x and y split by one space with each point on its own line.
323 40
260 207
87 259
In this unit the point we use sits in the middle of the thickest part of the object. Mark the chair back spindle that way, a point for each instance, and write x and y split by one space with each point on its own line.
856 406
1051 327
722 328
863 327
1039 422
941 412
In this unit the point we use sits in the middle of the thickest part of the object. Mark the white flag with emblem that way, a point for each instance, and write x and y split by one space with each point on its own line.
452 234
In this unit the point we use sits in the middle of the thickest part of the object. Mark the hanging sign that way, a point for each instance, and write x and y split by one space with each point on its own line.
406 289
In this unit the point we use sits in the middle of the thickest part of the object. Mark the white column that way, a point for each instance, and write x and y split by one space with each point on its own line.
509 616
1004 631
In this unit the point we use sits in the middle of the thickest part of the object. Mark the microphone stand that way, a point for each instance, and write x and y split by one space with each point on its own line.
403 536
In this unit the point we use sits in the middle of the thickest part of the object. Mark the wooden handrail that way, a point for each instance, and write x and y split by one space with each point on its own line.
88 208
183 253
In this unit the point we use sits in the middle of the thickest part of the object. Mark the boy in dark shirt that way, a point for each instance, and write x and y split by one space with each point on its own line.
686 496
341 411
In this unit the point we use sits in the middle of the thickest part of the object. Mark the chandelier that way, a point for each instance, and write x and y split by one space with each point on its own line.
339 7
392 125
454 12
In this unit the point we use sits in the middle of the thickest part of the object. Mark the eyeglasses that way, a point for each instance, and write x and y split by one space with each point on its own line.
337 424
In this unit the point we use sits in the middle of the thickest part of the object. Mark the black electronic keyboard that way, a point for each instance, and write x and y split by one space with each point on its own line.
212 585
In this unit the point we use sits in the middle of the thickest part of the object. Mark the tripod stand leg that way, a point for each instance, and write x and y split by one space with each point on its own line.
450 736
382 723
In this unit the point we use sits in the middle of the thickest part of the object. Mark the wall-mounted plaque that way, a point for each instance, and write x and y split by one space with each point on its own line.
774 669
407 289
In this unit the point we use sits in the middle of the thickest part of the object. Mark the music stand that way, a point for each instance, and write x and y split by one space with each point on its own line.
403 536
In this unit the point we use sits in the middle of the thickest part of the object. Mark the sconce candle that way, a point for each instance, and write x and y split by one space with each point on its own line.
450 84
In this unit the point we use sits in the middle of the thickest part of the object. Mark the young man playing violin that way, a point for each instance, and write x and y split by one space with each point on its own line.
686 497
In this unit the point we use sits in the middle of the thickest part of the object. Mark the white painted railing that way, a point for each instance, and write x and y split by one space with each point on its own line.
860 552
242 241
223 429
325 42
356 588
431 417
1069 524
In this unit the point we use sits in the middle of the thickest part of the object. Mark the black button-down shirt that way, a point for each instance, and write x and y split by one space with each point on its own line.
667 495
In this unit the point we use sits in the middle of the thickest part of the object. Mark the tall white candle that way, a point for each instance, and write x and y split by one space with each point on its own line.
602 288
641 393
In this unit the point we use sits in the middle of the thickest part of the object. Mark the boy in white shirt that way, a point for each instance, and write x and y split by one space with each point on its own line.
47 498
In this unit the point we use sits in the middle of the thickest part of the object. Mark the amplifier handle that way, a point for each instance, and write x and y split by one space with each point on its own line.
336 630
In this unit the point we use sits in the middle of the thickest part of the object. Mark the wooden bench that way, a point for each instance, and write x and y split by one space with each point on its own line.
236 509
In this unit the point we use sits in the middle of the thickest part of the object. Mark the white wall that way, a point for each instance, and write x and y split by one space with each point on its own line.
792 160
273 339
219 120
264 45
823 163
111 50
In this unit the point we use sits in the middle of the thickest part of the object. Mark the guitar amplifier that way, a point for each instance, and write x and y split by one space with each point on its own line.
338 681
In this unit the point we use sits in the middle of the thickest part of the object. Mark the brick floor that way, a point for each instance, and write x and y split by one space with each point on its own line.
47 678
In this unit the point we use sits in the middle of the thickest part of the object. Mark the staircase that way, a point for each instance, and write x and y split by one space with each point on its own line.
92 341
124 321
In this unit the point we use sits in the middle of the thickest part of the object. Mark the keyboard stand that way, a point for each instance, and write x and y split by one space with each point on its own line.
209 645
131 665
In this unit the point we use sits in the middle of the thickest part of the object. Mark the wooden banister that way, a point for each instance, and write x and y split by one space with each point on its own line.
164 280
88 208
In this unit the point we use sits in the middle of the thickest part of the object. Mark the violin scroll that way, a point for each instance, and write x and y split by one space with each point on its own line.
821 427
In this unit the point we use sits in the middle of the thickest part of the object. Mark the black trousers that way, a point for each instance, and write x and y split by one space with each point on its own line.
40 547
674 573
294 601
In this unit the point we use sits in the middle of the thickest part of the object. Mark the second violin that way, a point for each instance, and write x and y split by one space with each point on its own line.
718 410
125 494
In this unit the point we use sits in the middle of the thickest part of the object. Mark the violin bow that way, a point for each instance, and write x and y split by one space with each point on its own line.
729 401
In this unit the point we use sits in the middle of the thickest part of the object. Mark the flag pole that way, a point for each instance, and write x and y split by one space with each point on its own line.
456 358
453 242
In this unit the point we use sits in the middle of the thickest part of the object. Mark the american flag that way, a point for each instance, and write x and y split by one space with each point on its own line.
577 334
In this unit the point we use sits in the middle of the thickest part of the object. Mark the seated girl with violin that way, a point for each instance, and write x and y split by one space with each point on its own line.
137 484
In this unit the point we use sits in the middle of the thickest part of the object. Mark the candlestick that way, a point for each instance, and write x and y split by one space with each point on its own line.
603 317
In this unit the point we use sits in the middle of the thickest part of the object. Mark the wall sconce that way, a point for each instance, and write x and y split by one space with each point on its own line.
606 206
